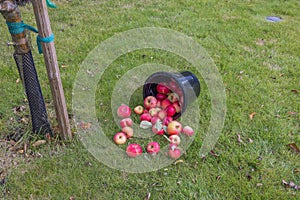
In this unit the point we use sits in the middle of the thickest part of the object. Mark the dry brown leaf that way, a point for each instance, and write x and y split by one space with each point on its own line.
85 125
250 140
295 91
147 197
39 143
178 161
260 42
291 113
259 184
239 138
72 198
64 66
213 153
252 115
294 147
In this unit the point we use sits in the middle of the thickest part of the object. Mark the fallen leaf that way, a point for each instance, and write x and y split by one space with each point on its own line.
292 184
297 187
18 80
291 113
39 143
296 170
147 197
294 147
295 91
252 115
239 138
282 74
250 140
64 66
213 153
178 161
85 125
218 177
259 184
260 42
72 198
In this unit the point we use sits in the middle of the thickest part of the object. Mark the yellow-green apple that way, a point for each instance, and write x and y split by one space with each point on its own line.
154 111
138 110
173 97
120 138
174 128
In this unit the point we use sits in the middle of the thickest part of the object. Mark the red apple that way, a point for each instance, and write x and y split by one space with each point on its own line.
158 132
162 114
145 117
154 120
175 154
165 103
128 131
175 139
160 96
162 88
167 120
188 131
123 111
138 110
120 138
177 107
174 128
158 104
154 111
153 148
173 85
134 150
126 122
170 110
150 102
173 97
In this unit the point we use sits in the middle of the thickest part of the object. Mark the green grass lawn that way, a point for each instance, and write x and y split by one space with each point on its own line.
259 64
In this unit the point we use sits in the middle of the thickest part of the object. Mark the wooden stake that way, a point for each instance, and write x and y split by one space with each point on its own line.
44 28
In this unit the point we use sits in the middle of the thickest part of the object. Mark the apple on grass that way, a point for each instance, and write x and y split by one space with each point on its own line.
153 148
174 153
150 102
174 139
158 132
128 131
145 117
120 138
126 122
134 150
187 130
174 128
138 110
123 111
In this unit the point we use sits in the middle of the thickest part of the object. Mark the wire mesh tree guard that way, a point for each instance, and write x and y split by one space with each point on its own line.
25 63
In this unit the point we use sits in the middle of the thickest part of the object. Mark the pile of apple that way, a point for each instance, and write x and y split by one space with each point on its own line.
157 113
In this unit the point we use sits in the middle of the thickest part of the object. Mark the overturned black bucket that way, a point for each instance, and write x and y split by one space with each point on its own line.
187 84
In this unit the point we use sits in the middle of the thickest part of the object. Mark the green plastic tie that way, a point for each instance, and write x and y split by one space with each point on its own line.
50 4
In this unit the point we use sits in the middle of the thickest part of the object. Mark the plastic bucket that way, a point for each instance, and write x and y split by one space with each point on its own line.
185 84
